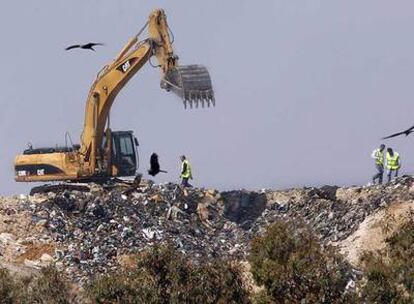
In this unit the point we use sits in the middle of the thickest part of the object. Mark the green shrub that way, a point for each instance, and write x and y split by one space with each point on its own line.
50 287
390 274
124 288
380 284
164 275
290 263
47 287
262 297
7 287
401 254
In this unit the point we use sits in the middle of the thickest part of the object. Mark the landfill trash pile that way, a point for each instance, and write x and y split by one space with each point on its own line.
93 229
85 233
333 213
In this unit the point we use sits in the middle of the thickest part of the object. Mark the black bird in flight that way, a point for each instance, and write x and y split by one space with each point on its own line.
406 133
155 166
88 46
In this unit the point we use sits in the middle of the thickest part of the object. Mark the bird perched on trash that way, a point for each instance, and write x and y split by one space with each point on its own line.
406 133
155 166
88 46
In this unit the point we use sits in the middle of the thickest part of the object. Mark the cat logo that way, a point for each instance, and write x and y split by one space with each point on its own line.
22 173
124 67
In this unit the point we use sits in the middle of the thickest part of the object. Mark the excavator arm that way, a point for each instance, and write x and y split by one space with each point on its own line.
101 97
93 159
129 61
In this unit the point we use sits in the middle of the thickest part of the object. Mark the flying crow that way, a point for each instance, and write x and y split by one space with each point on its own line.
88 46
155 166
406 133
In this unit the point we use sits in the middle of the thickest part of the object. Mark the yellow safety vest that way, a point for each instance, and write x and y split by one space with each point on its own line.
187 173
379 157
393 163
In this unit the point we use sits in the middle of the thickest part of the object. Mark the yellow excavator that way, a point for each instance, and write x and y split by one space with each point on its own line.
102 153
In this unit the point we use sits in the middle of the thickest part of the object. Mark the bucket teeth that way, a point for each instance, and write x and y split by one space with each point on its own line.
192 83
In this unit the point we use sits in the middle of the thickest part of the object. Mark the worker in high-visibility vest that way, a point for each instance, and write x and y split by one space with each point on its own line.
186 173
378 155
393 163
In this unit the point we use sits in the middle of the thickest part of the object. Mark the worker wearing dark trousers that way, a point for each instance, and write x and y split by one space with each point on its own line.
378 155
186 173
393 163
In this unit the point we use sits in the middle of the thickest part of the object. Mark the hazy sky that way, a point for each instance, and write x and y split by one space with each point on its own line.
304 89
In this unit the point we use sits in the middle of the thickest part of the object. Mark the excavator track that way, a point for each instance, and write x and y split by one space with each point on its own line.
125 186
58 188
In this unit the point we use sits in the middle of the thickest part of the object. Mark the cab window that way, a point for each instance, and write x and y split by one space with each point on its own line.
125 145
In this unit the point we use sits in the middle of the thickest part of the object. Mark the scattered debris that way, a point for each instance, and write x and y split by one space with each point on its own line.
333 215
96 231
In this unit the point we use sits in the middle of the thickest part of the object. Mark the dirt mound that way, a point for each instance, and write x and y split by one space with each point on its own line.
372 232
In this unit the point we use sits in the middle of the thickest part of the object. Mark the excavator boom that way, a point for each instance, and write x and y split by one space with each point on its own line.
103 153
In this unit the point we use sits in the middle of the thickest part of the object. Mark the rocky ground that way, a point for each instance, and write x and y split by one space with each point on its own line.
86 233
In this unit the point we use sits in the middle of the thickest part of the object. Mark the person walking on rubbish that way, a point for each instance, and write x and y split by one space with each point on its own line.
378 155
186 173
393 163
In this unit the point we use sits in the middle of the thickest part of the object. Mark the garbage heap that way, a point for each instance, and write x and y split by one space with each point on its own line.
334 213
86 233
92 230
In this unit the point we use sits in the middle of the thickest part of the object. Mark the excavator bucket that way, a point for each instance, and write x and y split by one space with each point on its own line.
192 83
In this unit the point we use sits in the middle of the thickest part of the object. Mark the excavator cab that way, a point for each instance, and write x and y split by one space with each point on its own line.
124 156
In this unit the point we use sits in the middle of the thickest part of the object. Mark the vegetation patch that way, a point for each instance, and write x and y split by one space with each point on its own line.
390 274
49 287
293 267
164 275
